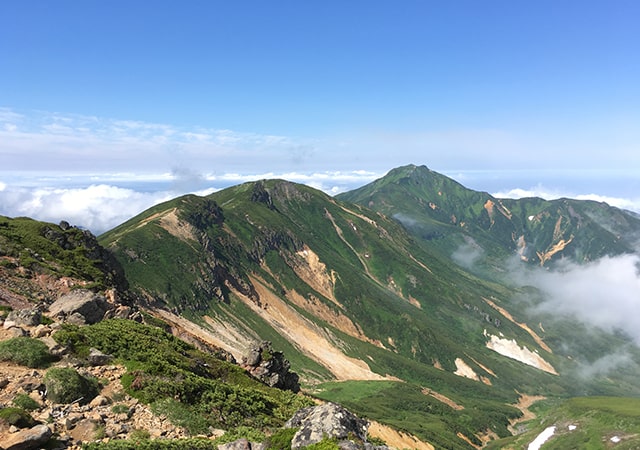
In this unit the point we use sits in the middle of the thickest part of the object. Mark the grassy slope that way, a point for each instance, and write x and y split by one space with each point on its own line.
596 421
47 248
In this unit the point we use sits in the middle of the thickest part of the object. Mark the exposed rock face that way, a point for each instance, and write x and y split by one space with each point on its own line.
81 307
271 367
27 439
329 420
22 317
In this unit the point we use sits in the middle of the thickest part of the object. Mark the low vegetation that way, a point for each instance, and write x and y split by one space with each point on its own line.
66 385
195 390
25 402
585 423
26 351
156 444
60 250
17 417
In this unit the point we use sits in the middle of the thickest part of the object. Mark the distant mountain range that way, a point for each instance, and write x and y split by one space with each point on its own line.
393 299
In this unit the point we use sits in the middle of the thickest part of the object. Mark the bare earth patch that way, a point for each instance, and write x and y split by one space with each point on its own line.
397 439
524 403
443 398
464 370
312 340
524 326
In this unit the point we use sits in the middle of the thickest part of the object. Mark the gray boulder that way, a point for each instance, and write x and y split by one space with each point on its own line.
271 367
23 317
28 438
329 420
81 307
97 358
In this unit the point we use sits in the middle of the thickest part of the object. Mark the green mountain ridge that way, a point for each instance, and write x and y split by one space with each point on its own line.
372 299
438 209
280 261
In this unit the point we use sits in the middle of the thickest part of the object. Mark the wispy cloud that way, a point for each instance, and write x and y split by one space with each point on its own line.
56 142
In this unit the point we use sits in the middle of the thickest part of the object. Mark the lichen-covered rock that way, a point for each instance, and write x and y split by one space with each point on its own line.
241 444
329 420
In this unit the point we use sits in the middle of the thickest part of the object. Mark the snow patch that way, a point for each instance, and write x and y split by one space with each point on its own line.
542 438
572 427
511 349
615 439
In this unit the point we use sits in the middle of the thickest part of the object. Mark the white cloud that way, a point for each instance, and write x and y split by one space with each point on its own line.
99 204
96 207
602 293
58 142
595 298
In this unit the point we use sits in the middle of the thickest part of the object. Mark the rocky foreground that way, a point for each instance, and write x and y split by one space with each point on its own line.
110 414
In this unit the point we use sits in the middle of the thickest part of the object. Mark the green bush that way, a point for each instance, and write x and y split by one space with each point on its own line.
25 351
17 417
182 415
140 435
193 389
281 439
25 402
71 337
66 385
241 432
119 409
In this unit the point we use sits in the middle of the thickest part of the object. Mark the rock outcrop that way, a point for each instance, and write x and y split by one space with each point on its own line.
332 421
28 438
80 307
23 317
271 367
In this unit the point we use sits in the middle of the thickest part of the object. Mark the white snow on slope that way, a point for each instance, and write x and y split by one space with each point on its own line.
542 438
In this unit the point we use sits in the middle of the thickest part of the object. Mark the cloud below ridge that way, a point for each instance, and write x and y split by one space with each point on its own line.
101 202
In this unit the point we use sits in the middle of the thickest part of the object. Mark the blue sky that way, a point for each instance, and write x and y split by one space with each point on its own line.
108 107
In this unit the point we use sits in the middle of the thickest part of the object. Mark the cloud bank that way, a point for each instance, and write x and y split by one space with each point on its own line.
97 207
603 296
100 203
604 293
